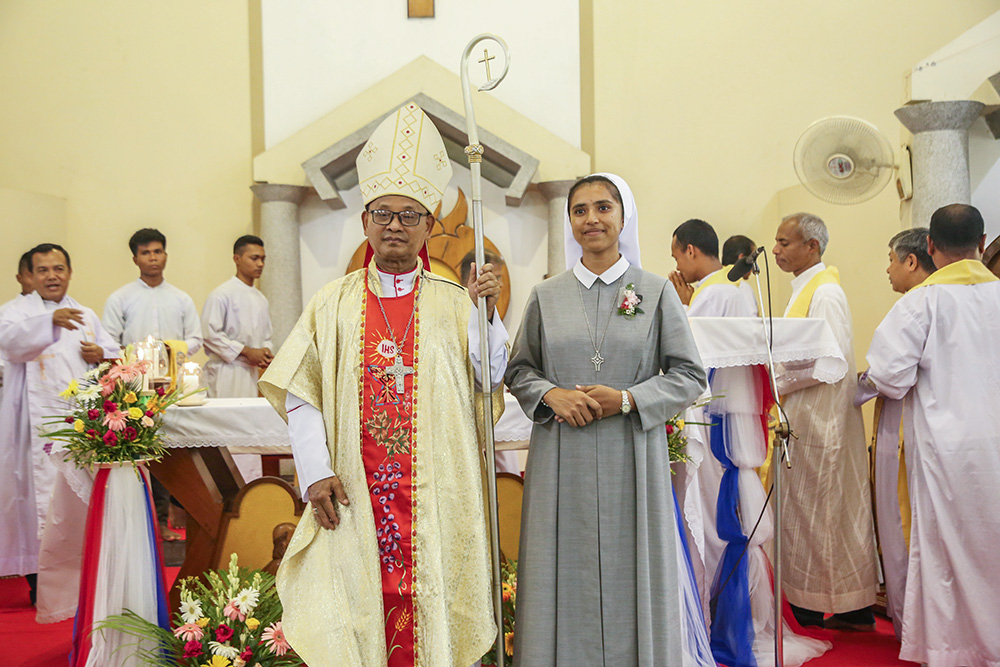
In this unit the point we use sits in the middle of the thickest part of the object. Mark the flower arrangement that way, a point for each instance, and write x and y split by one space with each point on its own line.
113 420
234 621
508 585
629 307
676 440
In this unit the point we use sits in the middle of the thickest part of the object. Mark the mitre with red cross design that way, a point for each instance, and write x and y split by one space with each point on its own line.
405 156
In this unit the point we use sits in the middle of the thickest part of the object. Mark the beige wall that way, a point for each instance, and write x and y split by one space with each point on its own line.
699 105
135 114
28 219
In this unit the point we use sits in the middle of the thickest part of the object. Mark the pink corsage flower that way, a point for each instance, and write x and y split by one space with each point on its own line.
629 307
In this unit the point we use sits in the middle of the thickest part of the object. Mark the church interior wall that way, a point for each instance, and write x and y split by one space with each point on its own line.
319 54
135 114
28 219
700 108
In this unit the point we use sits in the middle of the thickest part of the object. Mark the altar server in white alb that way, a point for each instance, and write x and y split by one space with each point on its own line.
829 557
237 326
909 265
705 290
150 306
938 350
47 339
701 280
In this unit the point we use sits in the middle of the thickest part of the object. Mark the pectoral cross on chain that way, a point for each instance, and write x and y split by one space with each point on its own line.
486 61
399 372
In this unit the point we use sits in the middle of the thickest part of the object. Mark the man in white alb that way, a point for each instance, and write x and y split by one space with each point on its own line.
150 306
47 339
237 333
237 326
939 351
695 249
909 265
23 278
829 559
735 248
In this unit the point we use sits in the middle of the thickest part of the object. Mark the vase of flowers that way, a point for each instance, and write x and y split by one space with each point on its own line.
231 619
111 431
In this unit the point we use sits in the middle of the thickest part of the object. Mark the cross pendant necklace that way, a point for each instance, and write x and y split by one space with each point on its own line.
597 359
398 370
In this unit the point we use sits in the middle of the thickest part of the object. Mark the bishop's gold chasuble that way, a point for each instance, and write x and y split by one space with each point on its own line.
405 577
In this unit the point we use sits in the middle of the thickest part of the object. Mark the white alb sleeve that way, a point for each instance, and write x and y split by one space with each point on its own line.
498 347
308 435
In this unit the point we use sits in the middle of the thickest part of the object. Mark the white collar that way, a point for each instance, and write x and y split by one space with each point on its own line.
587 277
143 283
799 281
397 284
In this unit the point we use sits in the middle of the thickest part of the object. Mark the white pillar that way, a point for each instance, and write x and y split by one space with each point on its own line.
281 281
556 192
940 154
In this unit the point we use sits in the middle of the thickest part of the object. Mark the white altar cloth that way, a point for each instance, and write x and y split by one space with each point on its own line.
251 426
726 342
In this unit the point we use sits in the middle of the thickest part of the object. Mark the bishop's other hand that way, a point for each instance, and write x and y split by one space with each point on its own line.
321 495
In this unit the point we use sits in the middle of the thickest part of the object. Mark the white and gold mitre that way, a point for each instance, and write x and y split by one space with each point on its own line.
405 156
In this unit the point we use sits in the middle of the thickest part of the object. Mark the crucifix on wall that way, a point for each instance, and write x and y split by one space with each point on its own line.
420 9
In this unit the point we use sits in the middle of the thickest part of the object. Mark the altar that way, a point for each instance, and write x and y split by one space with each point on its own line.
724 504
227 514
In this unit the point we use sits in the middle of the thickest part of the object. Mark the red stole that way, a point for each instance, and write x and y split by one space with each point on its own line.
388 448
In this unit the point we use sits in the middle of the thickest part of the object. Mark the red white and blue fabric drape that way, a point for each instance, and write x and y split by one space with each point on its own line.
122 565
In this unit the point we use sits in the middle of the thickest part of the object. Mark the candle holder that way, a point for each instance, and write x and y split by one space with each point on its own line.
155 352
190 385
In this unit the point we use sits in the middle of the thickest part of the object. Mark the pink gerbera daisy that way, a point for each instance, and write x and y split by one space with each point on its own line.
274 638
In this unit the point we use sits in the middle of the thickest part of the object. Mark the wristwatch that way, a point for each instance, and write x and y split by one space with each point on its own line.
626 406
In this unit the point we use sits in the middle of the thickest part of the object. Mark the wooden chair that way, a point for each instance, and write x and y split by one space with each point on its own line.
510 490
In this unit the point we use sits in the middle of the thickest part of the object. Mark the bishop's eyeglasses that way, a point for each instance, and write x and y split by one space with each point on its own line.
406 218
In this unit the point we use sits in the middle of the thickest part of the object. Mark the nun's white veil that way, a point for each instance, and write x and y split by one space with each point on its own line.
628 240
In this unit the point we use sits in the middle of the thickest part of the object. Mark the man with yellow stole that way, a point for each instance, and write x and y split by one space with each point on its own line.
828 562
909 265
391 565
938 349
695 249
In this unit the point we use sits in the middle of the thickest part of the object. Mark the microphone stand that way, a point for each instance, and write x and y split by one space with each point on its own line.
779 453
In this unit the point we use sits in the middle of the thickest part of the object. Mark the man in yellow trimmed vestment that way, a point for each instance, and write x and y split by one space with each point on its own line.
829 557
390 565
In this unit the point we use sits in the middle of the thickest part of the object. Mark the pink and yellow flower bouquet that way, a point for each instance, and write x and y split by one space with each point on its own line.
112 420
232 621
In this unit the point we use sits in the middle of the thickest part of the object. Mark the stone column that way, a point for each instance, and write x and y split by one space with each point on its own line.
281 282
555 192
940 154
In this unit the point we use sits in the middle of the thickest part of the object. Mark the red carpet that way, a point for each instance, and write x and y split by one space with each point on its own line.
28 644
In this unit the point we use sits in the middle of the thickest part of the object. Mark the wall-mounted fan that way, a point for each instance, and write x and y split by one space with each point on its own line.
845 160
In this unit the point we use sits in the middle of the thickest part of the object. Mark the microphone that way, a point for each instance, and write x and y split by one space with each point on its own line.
744 264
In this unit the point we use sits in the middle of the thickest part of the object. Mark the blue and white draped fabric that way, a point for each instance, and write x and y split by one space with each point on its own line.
742 627
694 633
